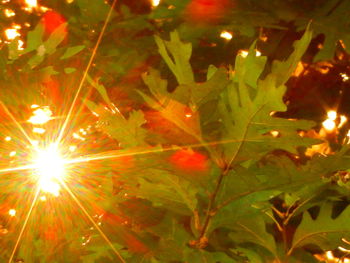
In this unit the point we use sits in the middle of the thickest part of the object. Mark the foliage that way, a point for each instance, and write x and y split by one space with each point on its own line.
198 168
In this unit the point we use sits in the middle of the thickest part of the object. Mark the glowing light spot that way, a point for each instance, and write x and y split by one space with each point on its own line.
188 115
69 1
72 148
39 130
41 116
44 9
13 153
50 169
244 53
328 124
343 119
332 115
43 198
9 13
12 212
34 106
226 35
155 3
8 138
344 76
344 249
20 45
275 133
82 131
35 142
31 4
329 255
12 33
77 136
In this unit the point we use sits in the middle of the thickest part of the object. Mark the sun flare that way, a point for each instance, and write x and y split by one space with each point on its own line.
49 167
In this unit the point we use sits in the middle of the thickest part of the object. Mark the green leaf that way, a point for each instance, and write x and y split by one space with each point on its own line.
177 55
330 20
202 256
96 11
69 70
100 88
325 231
284 69
55 39
71 51
171 109
197 94
248 102
34 38
253 230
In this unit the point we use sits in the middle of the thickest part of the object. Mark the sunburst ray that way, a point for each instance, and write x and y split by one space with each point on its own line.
19 126
25 224
80 205
86 71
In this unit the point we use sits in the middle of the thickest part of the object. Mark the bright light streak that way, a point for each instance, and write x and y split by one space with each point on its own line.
12 212
41 116
332 115
50 168
226 35
13 153
344 249
328 124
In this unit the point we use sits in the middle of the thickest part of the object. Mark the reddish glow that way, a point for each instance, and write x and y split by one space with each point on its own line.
207 11
189 160
52 20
